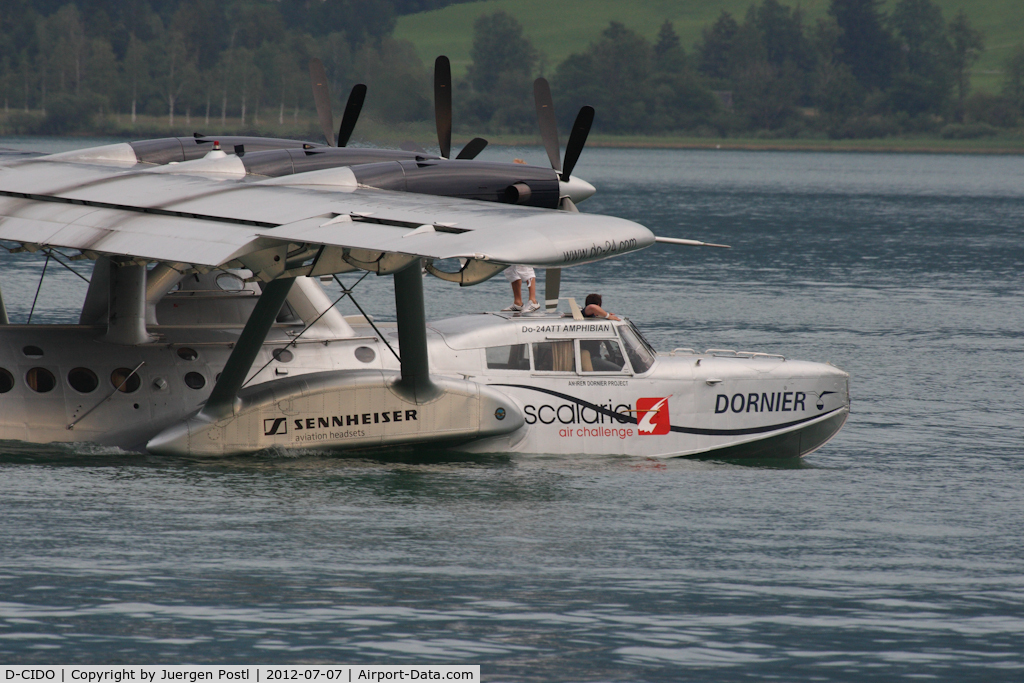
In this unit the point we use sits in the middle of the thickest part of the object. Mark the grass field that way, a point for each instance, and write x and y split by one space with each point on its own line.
559 29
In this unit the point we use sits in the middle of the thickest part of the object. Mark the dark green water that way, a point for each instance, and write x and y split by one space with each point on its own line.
895 551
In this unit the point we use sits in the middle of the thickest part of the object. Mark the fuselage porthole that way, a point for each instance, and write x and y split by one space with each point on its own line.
365 354
185 353
283 355
194 380
83 380
40 380
33 351
6 381
130 385
230 282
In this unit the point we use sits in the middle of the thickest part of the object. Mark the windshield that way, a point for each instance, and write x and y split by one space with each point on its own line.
640 354
642 338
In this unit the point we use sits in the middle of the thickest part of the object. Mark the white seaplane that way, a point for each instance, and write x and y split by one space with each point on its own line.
205 332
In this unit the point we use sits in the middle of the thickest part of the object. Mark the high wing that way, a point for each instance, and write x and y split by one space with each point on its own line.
203 213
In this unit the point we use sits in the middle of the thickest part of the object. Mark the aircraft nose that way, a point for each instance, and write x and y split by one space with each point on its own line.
172 441
577 189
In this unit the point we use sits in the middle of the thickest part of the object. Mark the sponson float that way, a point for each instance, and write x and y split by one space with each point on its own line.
205 331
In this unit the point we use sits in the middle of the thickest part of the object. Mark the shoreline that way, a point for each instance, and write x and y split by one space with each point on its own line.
1012 143
797 147
876 145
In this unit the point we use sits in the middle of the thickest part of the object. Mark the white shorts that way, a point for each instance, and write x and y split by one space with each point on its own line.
514 273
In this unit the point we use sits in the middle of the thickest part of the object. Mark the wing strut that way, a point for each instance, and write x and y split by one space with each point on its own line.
552 283
225 394
126 303
415 384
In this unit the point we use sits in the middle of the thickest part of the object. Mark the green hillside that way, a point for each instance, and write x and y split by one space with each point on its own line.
559 29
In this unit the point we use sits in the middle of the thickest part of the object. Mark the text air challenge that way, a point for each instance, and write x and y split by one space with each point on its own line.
578 414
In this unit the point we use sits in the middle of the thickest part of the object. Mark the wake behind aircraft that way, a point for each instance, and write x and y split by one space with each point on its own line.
205 331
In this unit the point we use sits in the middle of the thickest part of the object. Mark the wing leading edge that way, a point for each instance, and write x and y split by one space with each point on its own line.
230 223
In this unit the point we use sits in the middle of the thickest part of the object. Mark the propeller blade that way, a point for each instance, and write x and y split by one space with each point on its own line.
443 104
472 148
577 138
351 115
552 282
546 120
322 95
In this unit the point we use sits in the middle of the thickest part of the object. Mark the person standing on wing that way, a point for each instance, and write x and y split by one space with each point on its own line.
517 275
592 309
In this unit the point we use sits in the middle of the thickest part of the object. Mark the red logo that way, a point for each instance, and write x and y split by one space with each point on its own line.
652 416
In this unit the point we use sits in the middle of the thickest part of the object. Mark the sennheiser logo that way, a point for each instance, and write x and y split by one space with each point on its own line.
275 426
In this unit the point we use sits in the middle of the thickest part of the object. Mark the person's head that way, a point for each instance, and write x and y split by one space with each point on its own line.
593 299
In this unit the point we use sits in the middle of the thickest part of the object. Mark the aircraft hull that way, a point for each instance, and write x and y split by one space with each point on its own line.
750 408
721 405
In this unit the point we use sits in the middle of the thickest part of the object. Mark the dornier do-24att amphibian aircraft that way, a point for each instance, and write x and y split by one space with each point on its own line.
205 332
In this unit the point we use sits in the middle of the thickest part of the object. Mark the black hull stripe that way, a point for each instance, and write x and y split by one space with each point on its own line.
683 430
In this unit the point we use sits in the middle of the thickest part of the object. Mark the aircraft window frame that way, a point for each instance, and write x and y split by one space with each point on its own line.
643 340
33 377
6 380
76 376
130 386
630 352
571 344
194 380
187 353
364 354
505 350
624 370
229 282
32 351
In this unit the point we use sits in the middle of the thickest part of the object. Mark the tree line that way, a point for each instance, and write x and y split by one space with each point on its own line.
63 63
857 72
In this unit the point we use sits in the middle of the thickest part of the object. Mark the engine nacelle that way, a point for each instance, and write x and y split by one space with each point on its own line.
167 150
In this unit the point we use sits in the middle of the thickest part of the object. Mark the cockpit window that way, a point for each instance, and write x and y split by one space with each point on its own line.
514 357
600 355
554 356
230 282
642 338
640 355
